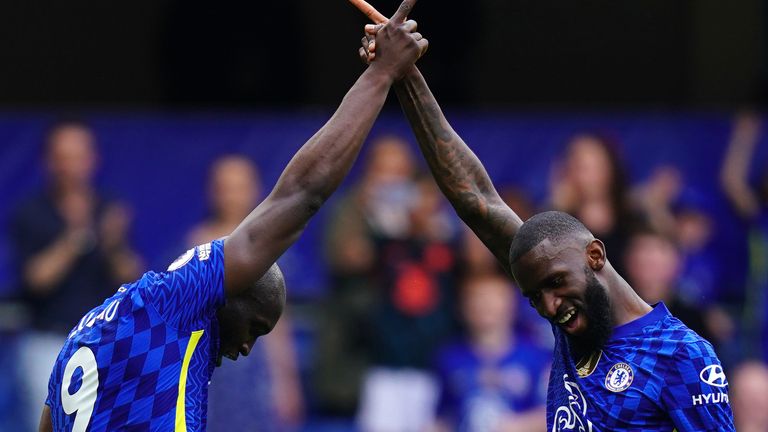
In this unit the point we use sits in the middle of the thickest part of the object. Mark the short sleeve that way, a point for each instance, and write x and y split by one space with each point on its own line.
190 291
695 393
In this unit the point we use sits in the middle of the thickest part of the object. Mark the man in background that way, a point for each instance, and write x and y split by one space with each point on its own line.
71 249
750 401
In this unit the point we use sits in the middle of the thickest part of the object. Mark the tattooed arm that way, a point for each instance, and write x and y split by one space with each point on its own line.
457 170
317 169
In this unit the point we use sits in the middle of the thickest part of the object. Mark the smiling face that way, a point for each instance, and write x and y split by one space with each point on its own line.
559 280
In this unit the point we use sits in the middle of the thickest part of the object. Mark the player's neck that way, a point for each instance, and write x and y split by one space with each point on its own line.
626 305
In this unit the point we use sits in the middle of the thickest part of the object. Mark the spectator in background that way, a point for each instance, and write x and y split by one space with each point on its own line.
416 277
269 394
653 269
345 339
71 249
682 213
391 250
234 189
591 185
701 271
749 398
749 199
492 380
655 198
478 261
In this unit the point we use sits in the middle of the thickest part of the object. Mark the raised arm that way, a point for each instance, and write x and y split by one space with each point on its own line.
735 170
457 170
321 164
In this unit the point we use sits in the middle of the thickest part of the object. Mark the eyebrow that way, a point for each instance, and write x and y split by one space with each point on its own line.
547 280
528 292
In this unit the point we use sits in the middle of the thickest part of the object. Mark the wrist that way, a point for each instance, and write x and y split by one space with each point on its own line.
382 73
411 72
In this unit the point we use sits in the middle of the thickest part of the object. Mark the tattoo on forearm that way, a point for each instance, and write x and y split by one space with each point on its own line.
457 170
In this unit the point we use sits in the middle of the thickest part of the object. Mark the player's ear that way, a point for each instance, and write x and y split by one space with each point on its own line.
596 255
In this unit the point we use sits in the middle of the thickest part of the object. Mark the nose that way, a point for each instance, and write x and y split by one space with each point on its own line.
245 349
550 303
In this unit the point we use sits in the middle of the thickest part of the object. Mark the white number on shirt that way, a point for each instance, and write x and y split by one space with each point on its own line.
83 400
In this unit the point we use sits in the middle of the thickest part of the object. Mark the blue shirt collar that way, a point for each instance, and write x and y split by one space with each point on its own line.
658 313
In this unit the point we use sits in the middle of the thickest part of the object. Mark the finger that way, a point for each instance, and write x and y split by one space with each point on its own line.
368 43
410 26
423 46
402 12
369 11
372 29
363 55
417 36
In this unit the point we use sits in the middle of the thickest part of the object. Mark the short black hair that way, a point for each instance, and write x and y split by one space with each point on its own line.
552 225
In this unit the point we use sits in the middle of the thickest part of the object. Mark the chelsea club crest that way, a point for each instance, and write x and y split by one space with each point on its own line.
619 378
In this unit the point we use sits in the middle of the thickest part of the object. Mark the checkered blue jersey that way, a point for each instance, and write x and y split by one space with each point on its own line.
653 374
142 360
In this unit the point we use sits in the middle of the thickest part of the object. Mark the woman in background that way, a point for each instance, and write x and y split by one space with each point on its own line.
270 394
590 184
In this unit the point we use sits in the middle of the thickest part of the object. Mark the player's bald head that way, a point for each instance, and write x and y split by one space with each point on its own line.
267 295
251 314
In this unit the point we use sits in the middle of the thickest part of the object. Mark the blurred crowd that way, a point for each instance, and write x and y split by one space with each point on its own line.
420 329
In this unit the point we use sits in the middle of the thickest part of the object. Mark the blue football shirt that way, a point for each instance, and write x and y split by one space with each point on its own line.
653 374
142 360
478 390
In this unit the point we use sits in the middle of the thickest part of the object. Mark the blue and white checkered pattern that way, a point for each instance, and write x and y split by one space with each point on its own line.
654 374
139 338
